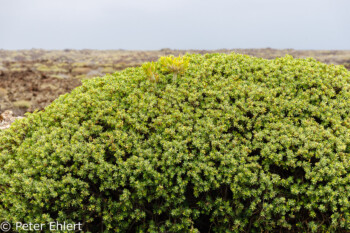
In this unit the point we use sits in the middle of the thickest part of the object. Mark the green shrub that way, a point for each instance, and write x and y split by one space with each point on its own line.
233 144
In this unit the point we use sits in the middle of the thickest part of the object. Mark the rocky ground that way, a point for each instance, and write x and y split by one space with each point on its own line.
32 79
6 119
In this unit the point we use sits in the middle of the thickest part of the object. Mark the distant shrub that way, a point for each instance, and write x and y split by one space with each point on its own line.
22 104
3 92
108 69
233 144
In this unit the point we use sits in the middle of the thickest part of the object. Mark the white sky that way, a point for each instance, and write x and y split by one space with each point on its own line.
179 24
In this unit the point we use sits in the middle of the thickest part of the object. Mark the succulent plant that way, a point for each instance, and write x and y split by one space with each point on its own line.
175 65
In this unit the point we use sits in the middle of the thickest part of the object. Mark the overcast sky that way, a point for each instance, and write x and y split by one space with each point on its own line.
175 24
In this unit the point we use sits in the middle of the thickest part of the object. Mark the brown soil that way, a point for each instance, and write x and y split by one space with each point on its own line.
29 90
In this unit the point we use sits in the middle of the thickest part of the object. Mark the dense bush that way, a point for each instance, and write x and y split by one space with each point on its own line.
219 143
